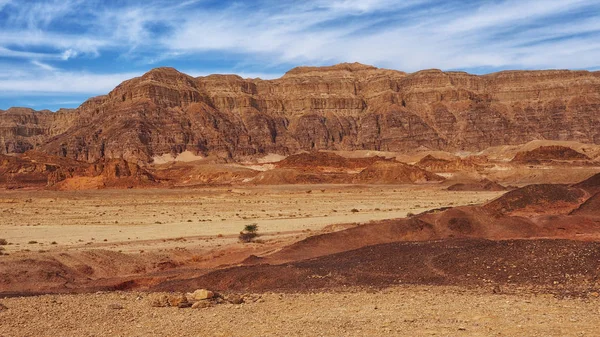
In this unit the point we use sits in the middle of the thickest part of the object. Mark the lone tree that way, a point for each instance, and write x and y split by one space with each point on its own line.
249 233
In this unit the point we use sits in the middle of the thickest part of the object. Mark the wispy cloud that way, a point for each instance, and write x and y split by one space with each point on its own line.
45 79
43 66
64 39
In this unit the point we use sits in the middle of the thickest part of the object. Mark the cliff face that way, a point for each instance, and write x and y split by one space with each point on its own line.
23 129
343 107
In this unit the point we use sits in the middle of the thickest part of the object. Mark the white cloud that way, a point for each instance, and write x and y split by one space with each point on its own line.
451 36
43 66
69 53
51 81
407 35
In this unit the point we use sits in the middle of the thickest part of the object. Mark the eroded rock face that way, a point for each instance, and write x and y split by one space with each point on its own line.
342 107
23 129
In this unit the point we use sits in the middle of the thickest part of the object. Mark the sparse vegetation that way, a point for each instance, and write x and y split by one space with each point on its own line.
354 210
3 242
249 233
32 242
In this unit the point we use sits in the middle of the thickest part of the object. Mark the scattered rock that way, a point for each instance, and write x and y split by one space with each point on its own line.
201 304
115 306
184 305
161 301
176 300
201 294
3 307
235 299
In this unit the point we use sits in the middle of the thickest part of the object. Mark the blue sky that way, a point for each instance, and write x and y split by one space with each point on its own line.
57 53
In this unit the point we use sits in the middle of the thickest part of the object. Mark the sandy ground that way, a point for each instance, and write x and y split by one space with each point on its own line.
401 311
132 220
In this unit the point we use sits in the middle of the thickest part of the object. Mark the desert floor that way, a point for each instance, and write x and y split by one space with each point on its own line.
131 220
157 220
399 311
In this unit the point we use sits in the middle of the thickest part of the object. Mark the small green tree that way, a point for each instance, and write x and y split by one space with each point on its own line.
249 233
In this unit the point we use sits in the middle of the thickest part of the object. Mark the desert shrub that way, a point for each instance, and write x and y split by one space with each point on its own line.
3 242
249 233
354 210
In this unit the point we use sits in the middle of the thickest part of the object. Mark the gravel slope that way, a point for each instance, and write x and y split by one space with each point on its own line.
399 311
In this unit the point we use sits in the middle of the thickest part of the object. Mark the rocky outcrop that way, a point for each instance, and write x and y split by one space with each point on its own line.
36 169
23 129
342 107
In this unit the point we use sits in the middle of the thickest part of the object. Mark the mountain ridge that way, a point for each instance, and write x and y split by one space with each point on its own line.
348 106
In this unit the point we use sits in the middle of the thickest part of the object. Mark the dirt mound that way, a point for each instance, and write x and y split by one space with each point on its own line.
548 153
536 263
79 271
393 172
295 176
482 185
543 198
592 184
590 207
459 222
434 164
325 161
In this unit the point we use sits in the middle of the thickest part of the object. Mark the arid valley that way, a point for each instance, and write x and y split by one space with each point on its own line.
344 200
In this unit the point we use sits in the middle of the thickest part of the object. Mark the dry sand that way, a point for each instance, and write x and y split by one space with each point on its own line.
134 219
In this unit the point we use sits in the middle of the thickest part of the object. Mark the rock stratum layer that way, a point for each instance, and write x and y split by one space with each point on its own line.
342 107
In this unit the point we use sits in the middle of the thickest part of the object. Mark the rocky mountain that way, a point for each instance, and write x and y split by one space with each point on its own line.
341 107
23 129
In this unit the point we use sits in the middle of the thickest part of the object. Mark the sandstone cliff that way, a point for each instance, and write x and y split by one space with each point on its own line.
342 107
23 129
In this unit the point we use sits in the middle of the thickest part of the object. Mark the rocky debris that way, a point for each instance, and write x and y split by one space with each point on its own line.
176 300
200 294
548 154
3 307
183 305
200 298
201 305
533 264
115 306
235 299
160 301
344 107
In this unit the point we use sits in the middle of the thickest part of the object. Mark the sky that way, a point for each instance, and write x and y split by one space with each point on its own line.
57 53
